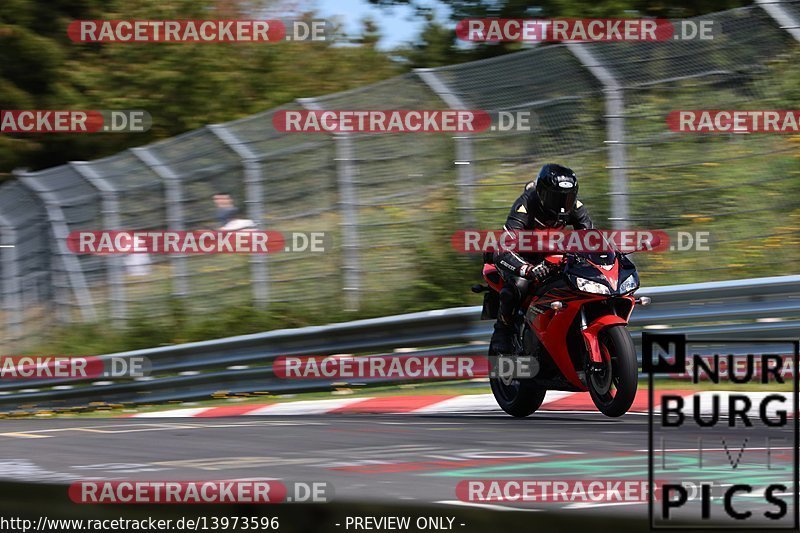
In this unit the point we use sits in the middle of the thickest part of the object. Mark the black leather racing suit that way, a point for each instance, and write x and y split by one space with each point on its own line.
527 214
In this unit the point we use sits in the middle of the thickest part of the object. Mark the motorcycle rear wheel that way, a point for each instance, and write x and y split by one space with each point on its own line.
517 398
614 389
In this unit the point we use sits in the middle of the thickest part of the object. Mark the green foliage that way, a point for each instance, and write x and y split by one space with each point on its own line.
460 9
443 275
187 86
147 332
182 85
434 47
438 45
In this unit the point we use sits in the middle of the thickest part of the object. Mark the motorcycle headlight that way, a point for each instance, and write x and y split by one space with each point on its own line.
630 284
586 285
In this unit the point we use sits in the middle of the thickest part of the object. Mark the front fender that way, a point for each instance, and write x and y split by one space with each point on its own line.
593 330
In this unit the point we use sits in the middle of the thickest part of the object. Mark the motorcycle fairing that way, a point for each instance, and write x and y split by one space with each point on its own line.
552 328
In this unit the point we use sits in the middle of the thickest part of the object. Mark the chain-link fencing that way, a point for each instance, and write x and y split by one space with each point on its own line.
386 199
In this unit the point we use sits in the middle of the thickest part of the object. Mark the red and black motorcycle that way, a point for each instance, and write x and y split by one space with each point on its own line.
573 326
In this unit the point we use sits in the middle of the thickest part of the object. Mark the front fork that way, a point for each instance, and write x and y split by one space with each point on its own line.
591 333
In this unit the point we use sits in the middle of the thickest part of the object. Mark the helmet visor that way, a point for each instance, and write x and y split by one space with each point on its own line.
558 202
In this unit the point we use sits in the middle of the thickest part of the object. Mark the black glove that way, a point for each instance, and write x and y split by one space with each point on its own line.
536 272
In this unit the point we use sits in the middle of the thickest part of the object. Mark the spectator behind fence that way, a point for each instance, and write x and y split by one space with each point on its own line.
227 212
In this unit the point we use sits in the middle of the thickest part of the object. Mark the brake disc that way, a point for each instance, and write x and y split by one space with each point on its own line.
505 379
601 378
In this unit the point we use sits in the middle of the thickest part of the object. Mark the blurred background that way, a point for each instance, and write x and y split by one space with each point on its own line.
389 202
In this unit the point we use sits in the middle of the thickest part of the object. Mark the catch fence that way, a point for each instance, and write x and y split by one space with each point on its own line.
387 199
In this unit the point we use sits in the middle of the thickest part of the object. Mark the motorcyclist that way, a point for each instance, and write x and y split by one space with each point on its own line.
550 201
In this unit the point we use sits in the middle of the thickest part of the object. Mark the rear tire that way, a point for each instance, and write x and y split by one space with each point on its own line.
615 398
517 398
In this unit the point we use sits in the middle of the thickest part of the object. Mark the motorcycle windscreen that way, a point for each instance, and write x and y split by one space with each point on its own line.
599 249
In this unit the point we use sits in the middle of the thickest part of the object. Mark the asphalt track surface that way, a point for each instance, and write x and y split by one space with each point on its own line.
415 459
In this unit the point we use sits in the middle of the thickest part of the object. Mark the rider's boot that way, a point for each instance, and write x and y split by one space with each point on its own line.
502 339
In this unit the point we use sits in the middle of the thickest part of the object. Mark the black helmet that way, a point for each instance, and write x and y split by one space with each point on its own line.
557 189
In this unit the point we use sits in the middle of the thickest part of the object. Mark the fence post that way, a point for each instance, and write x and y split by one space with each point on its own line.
12 281
175 220
253 179
464 152
783 17
345 175
69 261
111 221
615 133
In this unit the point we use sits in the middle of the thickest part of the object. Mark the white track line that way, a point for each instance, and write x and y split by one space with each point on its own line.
468 403
494 507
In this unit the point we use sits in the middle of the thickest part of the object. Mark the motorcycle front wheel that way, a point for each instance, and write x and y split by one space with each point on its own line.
613 387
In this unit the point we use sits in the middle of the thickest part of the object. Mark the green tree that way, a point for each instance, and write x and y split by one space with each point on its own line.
440 46
435 47
182 85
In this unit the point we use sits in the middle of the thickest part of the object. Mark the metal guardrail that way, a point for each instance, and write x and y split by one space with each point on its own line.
761 308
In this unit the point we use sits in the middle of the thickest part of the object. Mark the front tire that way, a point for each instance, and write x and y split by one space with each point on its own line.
613 389
515 397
